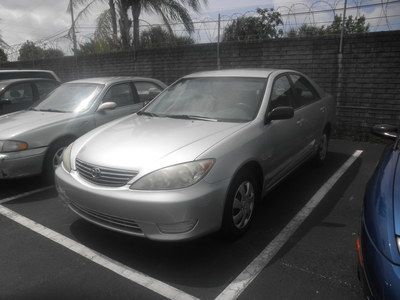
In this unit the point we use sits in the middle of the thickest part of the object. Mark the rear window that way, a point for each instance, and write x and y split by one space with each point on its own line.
18 75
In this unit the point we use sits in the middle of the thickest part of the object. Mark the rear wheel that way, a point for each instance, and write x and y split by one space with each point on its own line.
240 205
53 158
320 156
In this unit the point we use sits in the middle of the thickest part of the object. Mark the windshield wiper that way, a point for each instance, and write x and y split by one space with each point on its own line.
146 113
191 117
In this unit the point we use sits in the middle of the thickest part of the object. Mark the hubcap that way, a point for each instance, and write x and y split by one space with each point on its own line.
323 147
57 159
243 204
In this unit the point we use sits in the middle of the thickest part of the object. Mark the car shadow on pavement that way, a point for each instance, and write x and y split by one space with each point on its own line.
12 187
211 262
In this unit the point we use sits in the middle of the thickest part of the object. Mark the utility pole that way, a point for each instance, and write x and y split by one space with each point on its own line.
73 27
343 27
218 42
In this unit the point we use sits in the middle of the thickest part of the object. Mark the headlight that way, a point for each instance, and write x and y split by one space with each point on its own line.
12 146
175 177
67 158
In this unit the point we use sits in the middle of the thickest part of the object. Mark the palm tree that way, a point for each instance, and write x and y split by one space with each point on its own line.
88 5
169 10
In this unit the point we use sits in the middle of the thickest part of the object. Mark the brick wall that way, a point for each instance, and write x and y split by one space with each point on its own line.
367 89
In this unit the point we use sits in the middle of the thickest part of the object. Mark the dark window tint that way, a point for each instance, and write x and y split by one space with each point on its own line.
303 91
18 93
121 94
147 90
18 75
44 88
281 93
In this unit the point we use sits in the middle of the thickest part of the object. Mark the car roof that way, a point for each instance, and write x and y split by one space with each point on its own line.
10 81
261 73
107 80
24 70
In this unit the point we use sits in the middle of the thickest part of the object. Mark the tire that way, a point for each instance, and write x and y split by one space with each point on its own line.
54 153
239 214
320 157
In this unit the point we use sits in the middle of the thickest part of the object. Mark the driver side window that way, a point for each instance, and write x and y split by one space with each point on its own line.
19 93
281 94
121 94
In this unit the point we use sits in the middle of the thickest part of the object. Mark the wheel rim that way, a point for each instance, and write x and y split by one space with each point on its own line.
323 147
243 205
57 159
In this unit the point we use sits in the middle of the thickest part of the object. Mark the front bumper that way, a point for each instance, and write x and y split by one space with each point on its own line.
21 164
381 277
188 213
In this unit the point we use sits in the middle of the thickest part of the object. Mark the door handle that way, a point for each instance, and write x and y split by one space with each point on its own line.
322 109
299 122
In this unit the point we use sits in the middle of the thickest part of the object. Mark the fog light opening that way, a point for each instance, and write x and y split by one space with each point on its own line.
175 228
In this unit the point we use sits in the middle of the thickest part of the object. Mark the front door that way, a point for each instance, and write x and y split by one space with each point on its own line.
281 138
124 95
16 97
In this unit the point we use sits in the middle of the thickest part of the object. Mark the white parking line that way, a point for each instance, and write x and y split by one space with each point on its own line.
24 194
98 258
238 285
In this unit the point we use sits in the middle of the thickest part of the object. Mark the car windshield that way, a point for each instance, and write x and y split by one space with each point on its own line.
70 97
226 99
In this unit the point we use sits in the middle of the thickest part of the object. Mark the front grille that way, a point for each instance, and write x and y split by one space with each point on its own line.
104 176
107 220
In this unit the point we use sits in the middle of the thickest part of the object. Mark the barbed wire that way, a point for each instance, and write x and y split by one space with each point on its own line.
381 16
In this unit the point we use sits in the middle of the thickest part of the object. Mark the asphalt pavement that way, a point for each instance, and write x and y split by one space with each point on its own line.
316 261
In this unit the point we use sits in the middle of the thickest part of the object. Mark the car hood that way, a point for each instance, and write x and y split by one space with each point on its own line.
11 125
144 144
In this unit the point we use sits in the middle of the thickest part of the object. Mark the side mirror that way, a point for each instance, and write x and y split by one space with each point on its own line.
385 130
107 106
280 113
153 92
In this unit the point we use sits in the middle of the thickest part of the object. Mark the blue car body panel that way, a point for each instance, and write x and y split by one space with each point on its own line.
380 224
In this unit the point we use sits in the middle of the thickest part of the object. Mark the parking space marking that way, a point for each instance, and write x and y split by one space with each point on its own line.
148 282
241 282
25 194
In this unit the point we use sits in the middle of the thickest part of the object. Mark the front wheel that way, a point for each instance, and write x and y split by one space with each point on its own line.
53 158
240 205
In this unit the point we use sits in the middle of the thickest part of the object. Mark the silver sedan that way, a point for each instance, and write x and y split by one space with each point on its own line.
32 141
199 156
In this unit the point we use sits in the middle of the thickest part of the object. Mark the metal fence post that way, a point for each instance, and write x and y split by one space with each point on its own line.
218 42
343 27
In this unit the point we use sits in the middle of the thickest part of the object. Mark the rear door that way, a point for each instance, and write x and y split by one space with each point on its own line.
309 112
16 97
125 96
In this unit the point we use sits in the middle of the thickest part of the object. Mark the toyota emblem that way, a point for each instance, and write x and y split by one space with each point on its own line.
96 173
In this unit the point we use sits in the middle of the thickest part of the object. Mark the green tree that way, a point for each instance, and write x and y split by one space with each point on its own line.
29 51
261 27
88 5
97 46
52 53
3 56
351 25
306 30
169 10
156 37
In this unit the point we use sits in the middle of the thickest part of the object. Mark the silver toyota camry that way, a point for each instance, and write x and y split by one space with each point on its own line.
199 156
32 141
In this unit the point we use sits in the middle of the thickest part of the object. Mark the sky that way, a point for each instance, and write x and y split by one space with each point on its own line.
48 20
